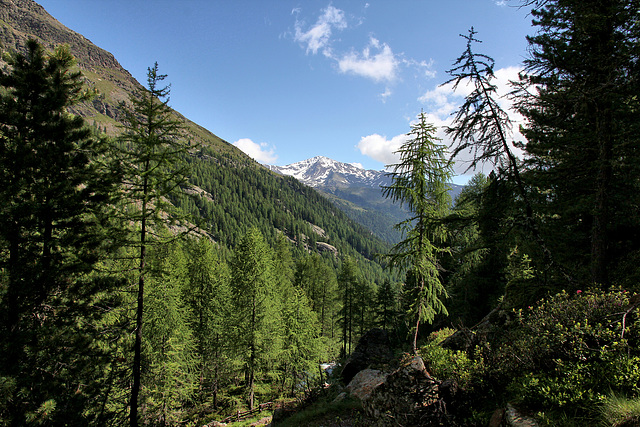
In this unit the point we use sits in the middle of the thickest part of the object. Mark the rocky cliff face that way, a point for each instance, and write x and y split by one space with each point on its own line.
24 19
21 20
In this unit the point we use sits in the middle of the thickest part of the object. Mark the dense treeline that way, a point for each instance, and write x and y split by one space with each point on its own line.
149 280
118 306
541 255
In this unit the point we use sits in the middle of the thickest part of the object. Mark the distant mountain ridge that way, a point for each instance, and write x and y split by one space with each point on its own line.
354 190
322 171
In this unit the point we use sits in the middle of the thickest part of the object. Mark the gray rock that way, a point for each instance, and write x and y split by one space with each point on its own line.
364 382
514 418
374 348
409 396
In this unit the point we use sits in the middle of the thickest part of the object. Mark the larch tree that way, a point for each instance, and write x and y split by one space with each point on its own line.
420 181
256 308
386 302
169 379
152 158
318 281
348 279
207 294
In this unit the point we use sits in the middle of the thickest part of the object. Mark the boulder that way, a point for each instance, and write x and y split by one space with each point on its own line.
409 396
364 382
373 349
514 418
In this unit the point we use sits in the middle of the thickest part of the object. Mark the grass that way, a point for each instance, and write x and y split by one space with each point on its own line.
620 411
325 412
249 421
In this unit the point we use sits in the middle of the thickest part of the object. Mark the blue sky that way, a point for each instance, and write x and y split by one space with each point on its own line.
287 80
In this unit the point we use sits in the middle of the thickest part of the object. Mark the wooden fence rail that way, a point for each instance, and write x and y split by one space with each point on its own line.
239 416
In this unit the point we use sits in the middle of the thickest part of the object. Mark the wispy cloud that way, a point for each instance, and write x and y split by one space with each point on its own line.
439 105
380 66
386 94
318 36
376 61
262 152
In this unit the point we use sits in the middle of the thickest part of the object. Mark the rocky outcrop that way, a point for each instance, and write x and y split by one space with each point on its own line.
365 382
409 396
325 247
373 349
513 418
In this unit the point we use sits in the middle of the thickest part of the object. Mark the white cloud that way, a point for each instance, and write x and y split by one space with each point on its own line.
376 61
380 66
318 37
440 103
259 152
380 148
386 94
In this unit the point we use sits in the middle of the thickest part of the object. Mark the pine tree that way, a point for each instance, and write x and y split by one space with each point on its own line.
387 309
152 158
348 279
580 100
318 280
169 377
420 181
55 191
300 345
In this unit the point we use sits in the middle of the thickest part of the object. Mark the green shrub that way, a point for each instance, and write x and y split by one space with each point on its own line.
568 352
444 363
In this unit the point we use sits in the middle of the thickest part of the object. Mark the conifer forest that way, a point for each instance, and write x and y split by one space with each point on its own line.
150 278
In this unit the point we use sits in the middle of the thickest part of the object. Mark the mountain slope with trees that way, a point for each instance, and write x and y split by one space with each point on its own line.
217 168
158 276
97 282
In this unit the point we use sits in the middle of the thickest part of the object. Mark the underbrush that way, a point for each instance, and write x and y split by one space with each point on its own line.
562 360
327 412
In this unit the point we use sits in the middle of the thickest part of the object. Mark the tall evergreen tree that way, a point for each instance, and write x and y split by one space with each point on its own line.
300 343
207 293
580 100
55 190
169 377
256 305
152 158
318 280
387 307
420 181
348 279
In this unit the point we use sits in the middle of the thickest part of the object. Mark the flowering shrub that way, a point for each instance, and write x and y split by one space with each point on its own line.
570 351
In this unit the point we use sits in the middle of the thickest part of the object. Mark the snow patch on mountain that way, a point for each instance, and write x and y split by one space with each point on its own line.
321 171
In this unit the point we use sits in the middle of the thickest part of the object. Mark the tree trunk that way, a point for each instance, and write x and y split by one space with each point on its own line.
599 238
137 347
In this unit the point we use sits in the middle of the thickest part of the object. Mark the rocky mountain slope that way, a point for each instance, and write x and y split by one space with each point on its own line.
220 172
354 190
24 19
321 172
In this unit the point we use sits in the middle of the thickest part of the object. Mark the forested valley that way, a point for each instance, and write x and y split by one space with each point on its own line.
152 274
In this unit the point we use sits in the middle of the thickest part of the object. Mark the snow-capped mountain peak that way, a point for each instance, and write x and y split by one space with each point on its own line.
321 171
